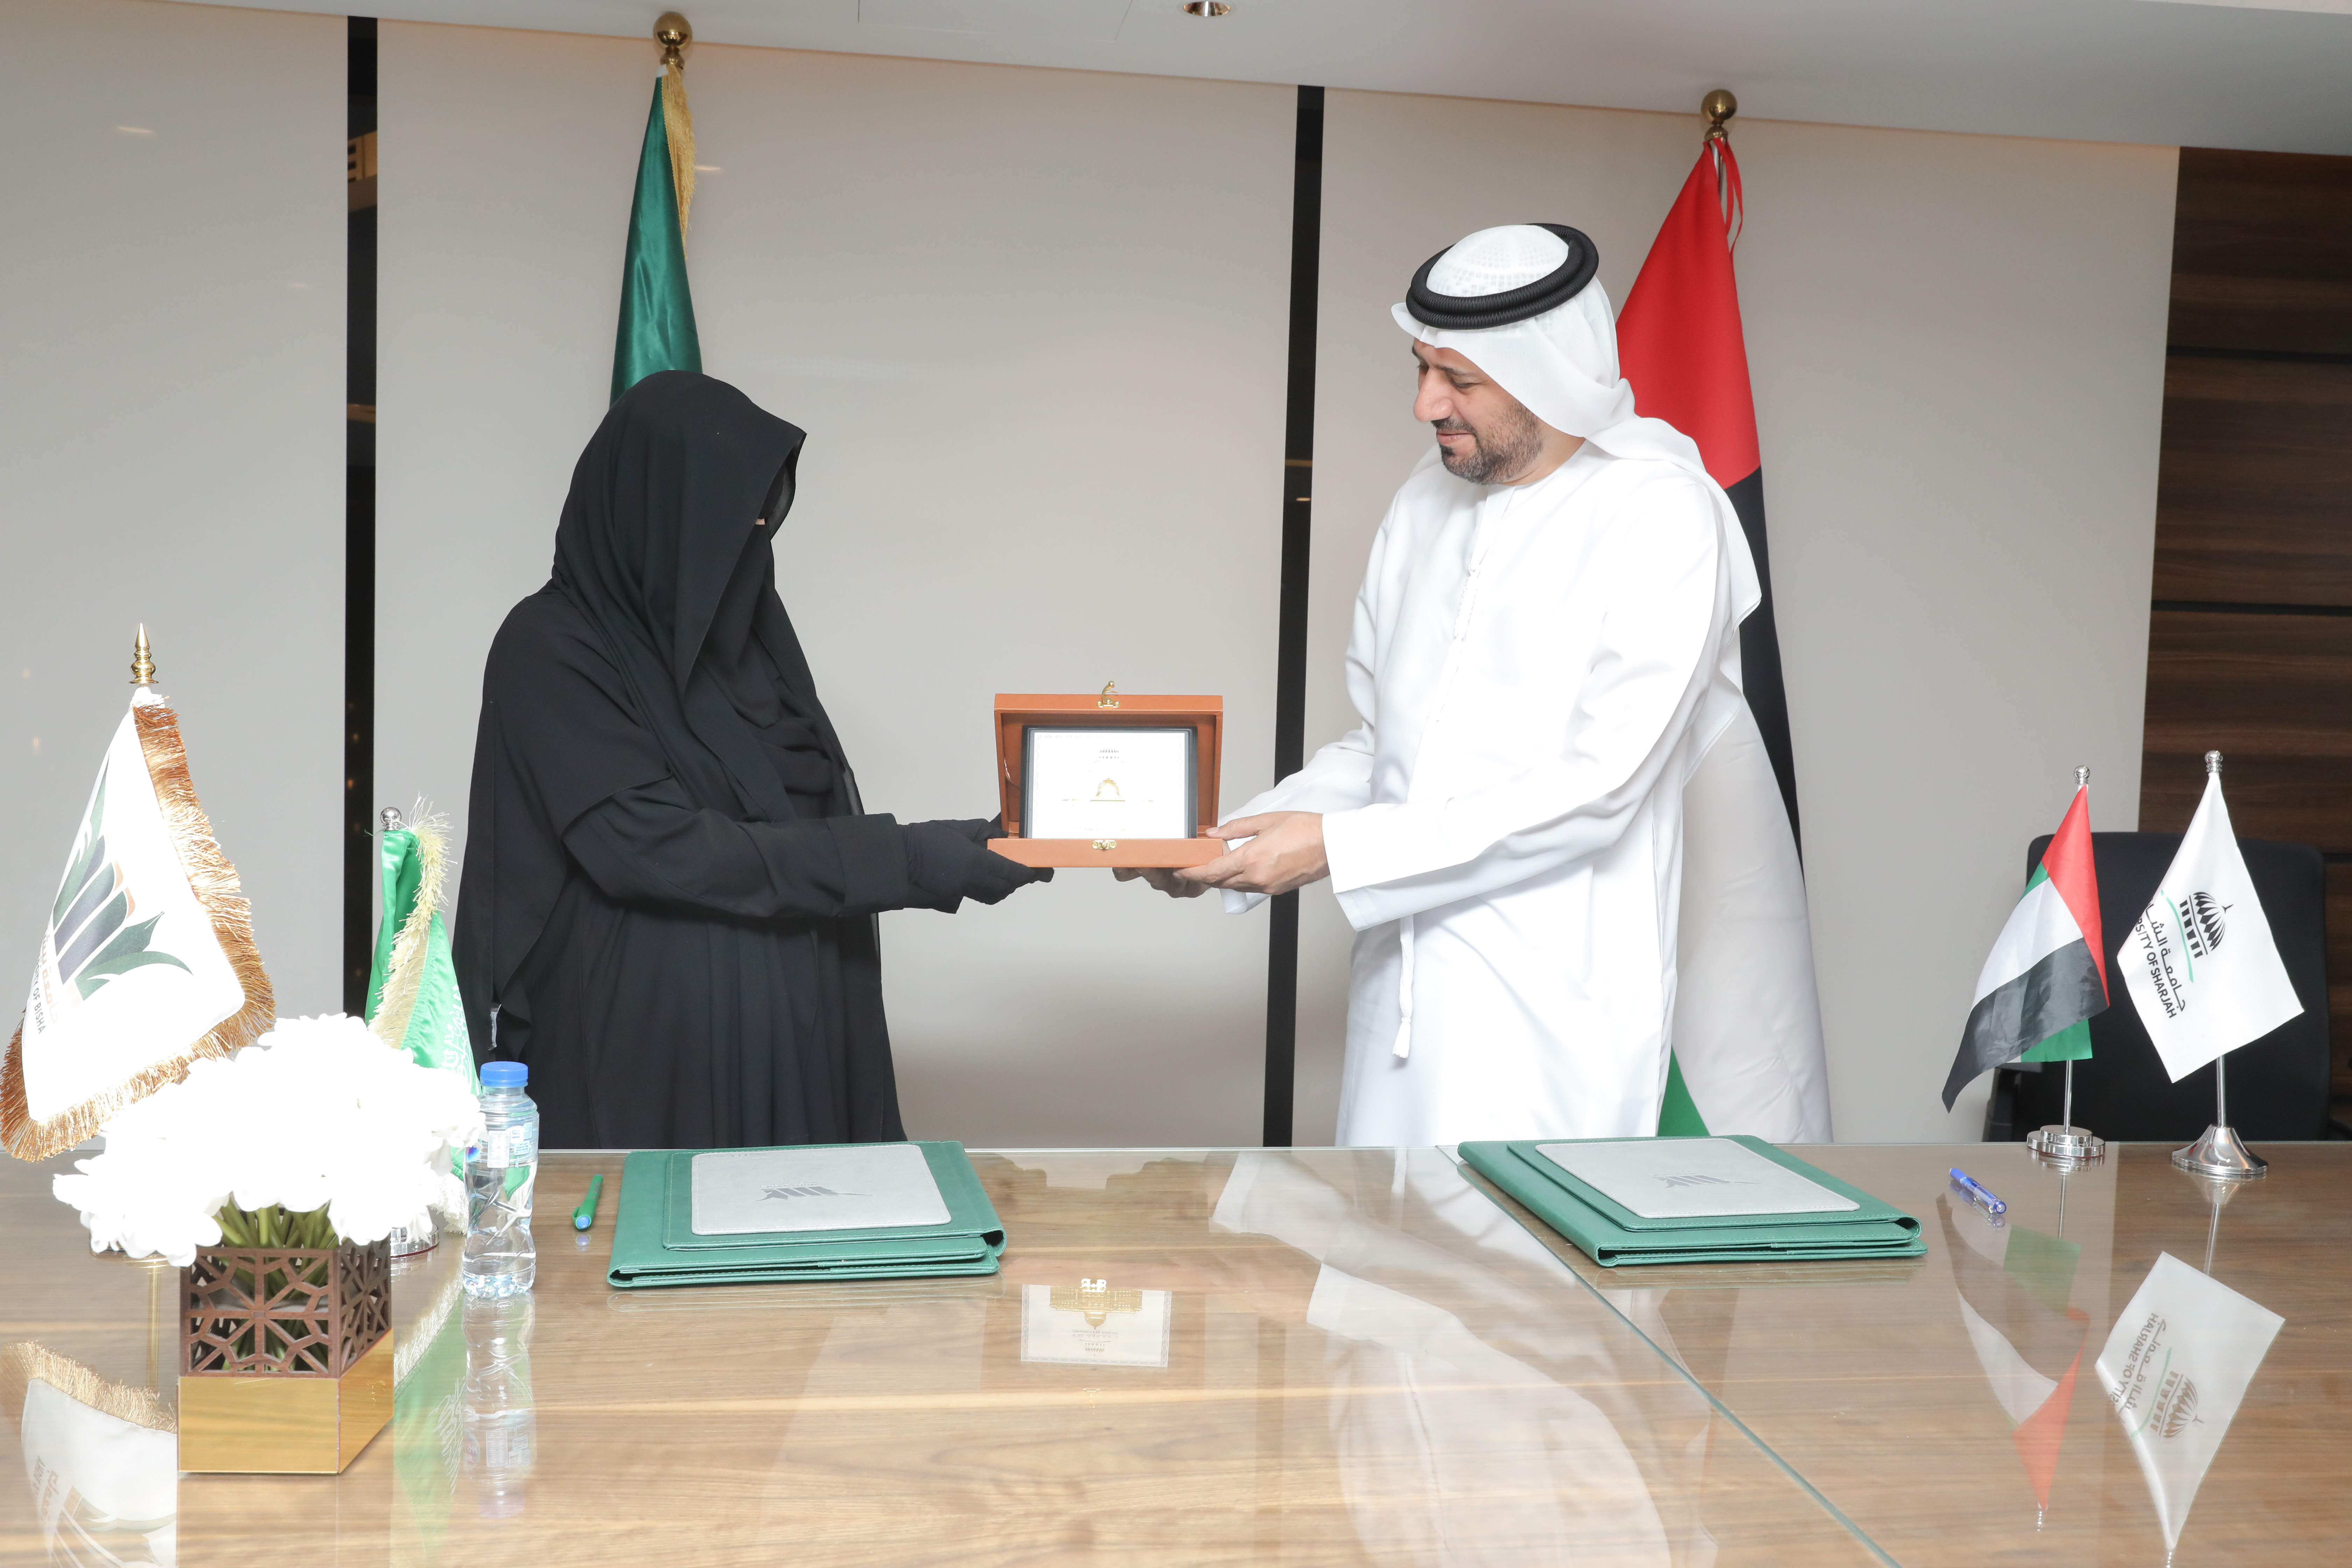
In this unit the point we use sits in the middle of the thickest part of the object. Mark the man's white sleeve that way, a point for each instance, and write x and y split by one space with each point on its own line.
1340 776
1656 654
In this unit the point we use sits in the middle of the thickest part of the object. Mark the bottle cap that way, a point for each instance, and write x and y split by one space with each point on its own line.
505 1075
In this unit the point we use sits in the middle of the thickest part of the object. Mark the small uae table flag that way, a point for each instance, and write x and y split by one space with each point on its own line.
2045 978
148 961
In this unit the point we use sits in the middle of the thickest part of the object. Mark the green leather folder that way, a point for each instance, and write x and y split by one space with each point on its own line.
1613 1235
655 1241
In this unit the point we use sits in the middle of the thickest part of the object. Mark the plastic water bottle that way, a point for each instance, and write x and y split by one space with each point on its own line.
501 1170
501 1423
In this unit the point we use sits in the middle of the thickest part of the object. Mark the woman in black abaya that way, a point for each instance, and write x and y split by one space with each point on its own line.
670 881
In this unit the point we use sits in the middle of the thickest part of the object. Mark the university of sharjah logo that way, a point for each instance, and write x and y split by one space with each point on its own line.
809 1192
2201 923
1700 1181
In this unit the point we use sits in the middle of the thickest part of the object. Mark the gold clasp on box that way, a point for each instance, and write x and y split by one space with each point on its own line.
1106 843
1109 697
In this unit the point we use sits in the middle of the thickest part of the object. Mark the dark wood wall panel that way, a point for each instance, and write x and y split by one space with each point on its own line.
2273 695
2261 252
2253 499
2255 516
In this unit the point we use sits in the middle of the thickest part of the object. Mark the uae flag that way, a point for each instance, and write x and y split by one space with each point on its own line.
2044 981
1679 343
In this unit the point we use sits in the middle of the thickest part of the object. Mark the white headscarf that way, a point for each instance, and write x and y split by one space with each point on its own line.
1562 365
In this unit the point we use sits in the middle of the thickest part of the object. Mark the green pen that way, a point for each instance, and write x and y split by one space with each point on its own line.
586 1214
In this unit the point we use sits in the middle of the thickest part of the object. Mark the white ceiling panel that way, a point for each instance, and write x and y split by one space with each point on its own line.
2270 76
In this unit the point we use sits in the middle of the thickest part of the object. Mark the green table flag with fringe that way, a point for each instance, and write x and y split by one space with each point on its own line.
412 1001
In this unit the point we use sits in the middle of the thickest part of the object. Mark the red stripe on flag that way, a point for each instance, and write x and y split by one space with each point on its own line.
2076 878
1679 337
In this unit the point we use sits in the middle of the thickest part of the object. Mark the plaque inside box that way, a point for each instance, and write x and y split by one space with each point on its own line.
1108 778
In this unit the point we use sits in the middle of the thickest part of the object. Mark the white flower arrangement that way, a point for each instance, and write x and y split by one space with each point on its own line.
319 1133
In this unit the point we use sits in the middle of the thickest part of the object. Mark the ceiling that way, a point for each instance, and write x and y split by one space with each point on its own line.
2276 75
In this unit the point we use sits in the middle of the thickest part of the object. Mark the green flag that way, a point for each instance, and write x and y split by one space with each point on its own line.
656 307
413 1000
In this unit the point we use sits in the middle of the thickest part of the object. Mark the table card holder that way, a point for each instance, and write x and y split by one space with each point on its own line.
1109 710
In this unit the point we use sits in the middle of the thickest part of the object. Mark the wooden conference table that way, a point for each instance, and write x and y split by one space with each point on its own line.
1310 1356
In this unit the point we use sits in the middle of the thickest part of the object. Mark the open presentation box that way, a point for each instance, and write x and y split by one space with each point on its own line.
1105 759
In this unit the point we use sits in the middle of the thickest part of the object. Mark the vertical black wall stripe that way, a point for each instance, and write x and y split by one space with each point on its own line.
1290 637
359 544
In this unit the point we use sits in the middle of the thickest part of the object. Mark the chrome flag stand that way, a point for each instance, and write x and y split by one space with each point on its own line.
2066 1141
2221 1153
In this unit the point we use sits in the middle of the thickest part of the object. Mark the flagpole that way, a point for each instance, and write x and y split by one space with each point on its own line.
2220 1153
2066 1141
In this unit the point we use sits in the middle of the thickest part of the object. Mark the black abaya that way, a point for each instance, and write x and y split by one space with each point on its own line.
669 882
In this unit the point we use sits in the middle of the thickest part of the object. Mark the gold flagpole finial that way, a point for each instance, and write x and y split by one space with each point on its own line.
142 663
1718 106
673 33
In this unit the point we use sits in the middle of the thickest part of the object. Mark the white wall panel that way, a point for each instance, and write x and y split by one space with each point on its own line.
1033 321
173 261
1958 350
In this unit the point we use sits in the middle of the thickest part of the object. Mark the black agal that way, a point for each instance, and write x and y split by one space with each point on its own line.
1555 288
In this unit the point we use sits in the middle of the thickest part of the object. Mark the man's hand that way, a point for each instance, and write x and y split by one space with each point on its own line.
1285 851
1162 878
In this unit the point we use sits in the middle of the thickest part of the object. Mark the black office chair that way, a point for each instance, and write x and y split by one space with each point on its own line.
2278 1084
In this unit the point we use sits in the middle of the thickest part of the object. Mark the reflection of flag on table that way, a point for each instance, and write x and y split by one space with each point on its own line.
2043 980
102 1458
2027 1338
2175 1369
2201 965
148 962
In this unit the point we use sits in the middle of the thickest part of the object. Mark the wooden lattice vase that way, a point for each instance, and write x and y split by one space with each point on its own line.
285 1357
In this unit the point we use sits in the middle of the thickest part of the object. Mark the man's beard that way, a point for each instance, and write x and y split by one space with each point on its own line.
1508 449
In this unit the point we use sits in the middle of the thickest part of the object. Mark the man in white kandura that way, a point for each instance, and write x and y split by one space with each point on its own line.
1556 831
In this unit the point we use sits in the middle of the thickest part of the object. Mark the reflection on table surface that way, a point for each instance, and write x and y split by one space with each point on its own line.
2131 1360
1317 1356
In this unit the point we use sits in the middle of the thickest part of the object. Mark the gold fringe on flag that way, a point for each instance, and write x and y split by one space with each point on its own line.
218 891
407 972
675 33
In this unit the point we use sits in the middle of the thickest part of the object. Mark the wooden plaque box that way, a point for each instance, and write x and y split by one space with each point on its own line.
1017 712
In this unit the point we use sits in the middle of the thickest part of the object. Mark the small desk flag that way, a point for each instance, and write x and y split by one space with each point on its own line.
148 962
2201 965
2043 980
413 989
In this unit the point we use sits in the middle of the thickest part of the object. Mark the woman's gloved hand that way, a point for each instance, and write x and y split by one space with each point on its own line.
949 860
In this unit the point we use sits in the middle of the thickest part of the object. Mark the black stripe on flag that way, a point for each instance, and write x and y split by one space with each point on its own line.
1759 653
2060 990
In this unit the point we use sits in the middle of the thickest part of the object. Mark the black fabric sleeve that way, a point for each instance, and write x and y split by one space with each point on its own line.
649 846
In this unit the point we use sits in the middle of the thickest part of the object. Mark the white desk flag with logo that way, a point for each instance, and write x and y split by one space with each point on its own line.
2201 965
148 961
2175 1369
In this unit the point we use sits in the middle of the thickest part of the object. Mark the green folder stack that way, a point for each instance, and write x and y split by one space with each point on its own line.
655 1241
1612 1235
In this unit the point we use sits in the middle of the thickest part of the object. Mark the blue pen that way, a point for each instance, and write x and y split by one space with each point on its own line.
1981 1193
